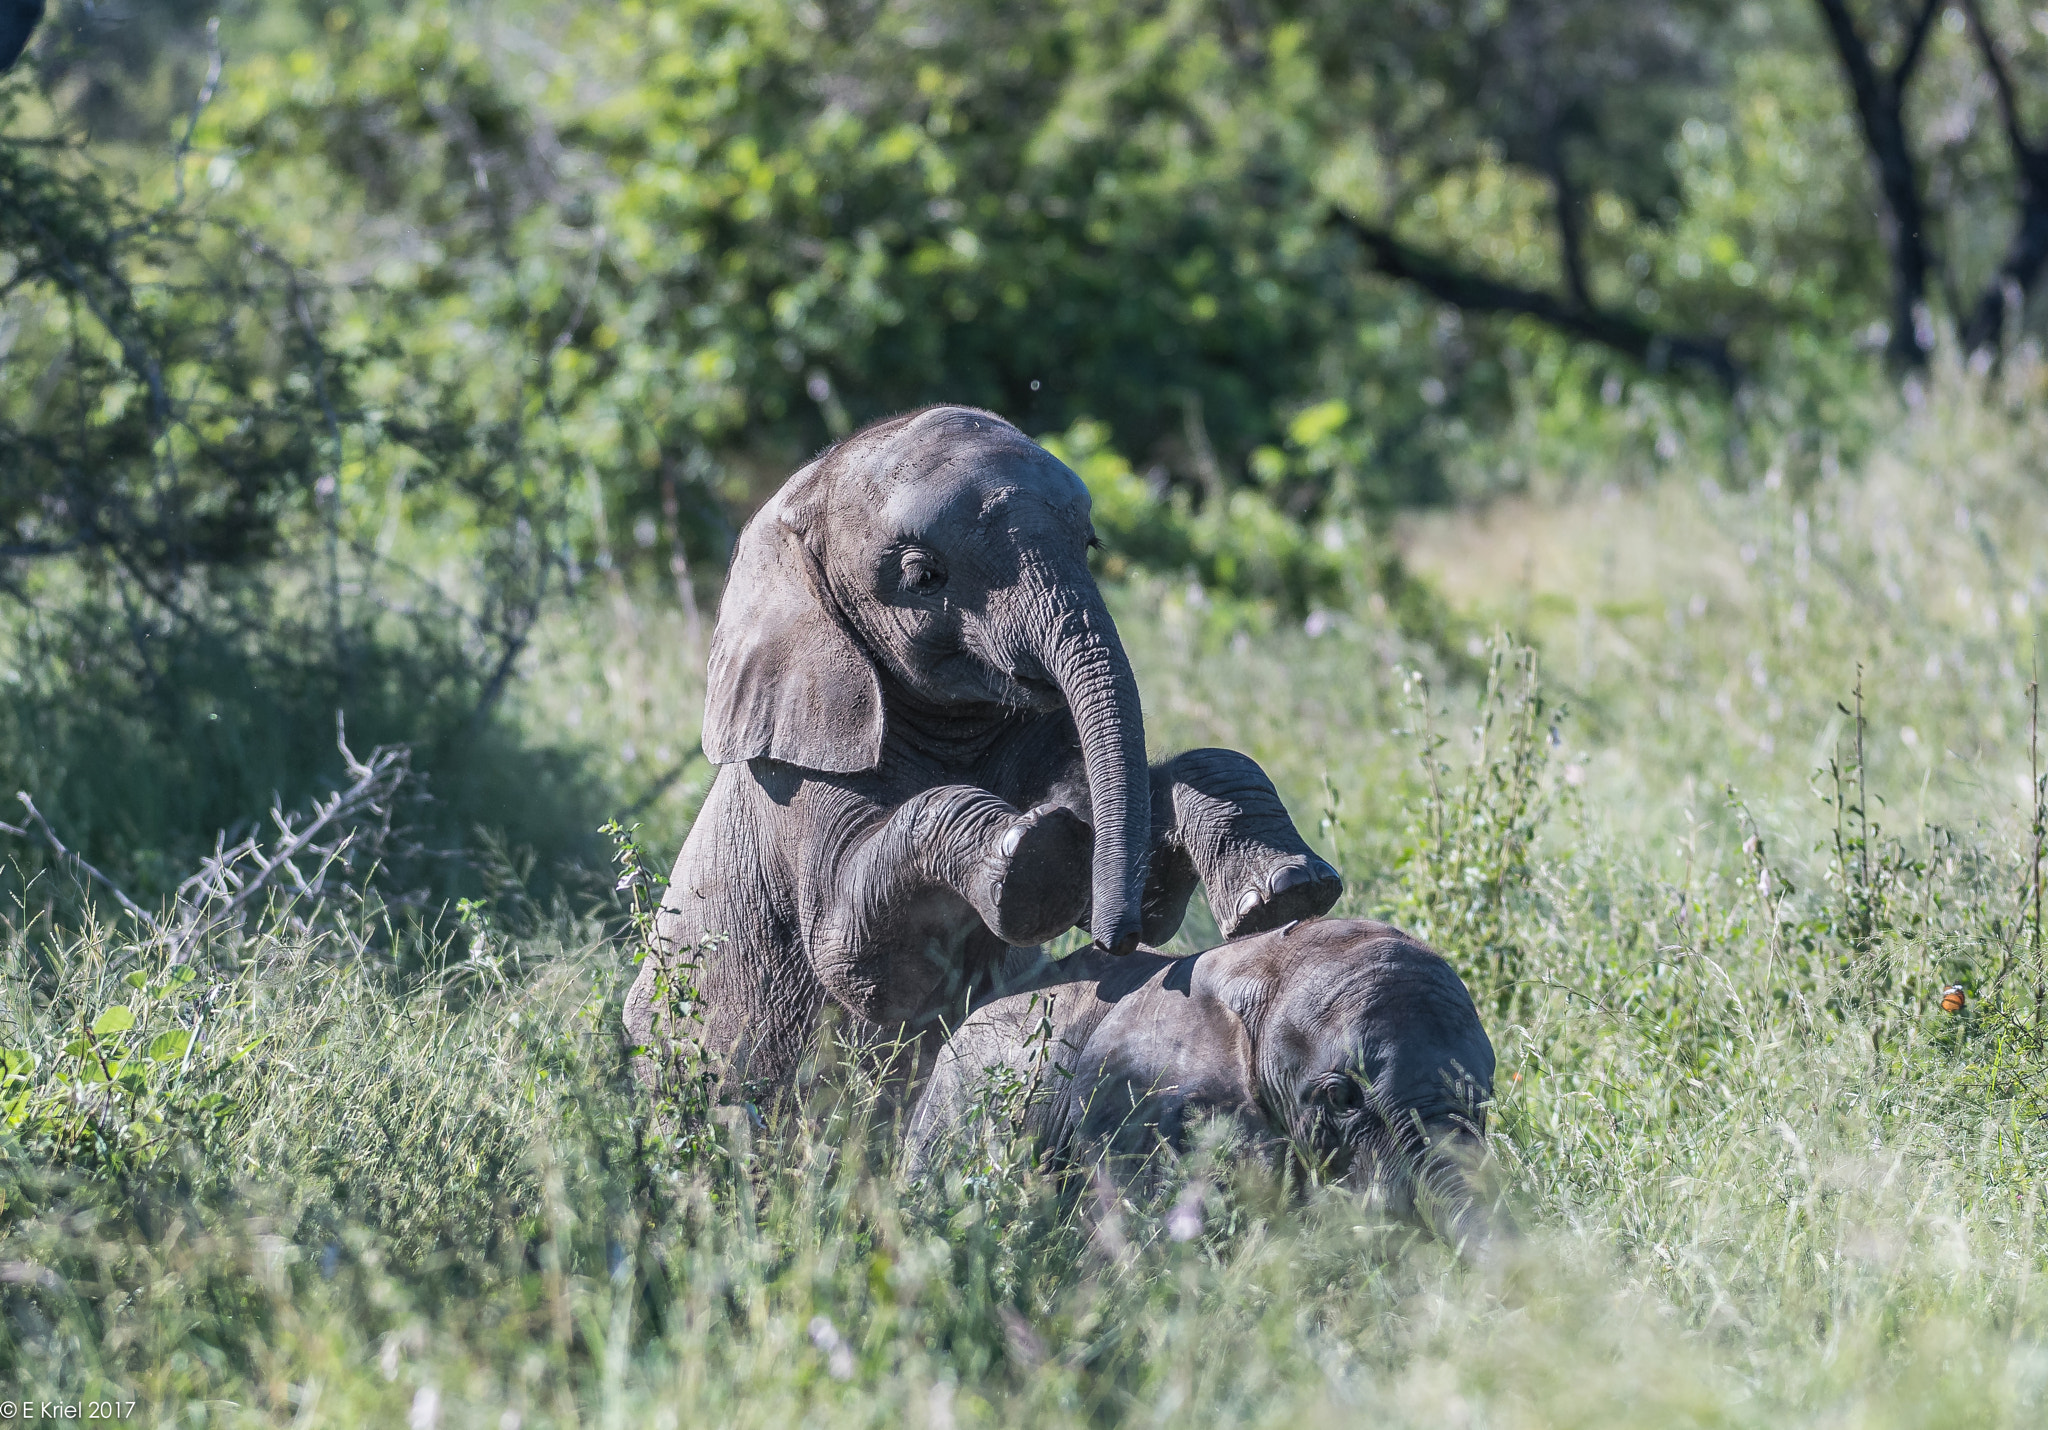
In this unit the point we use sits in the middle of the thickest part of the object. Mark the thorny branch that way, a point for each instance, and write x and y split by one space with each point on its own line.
120 896
311 858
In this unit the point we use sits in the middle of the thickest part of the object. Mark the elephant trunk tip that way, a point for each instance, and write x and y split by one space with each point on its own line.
1459 1201
1123 941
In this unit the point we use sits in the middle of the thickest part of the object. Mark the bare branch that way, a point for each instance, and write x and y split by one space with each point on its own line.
50 835
25 550
311 857
351 822
206 93
2001 81
662 783
1570 241
1880 110
2026 253
1916 45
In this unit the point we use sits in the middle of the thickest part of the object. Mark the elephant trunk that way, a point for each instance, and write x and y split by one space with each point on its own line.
1087 662
1436 1175
1451 1192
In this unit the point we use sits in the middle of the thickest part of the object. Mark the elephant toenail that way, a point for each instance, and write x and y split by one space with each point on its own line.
1291 877
1324 869
1012 839
1251 900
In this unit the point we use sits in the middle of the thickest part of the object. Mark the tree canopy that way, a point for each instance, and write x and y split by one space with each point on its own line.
336 331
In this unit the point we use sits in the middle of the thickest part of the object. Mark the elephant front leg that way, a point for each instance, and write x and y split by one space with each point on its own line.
1217 820
892 921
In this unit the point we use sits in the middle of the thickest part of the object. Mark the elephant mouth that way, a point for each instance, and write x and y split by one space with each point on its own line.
1027 692
1438 1179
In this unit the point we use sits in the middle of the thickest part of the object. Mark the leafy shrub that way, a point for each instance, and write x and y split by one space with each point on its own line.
133 1085
1236 546
185 600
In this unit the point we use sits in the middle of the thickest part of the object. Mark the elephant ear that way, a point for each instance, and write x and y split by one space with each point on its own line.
1156 1063
788 681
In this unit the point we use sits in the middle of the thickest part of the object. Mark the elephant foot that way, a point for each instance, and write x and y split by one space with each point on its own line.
1039 876
1301 888
1169 885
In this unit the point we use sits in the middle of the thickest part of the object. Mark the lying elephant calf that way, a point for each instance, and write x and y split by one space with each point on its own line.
1345 1040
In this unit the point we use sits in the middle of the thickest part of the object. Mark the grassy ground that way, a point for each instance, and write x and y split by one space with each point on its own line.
1764 1178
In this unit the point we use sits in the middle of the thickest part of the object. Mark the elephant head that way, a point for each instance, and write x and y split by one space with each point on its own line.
1347 1042
925 574
1368 1054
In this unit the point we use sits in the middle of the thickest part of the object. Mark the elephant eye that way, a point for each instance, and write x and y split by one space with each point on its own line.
921 573
1342 1093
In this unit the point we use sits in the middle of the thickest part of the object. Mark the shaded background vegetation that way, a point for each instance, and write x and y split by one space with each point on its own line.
342 342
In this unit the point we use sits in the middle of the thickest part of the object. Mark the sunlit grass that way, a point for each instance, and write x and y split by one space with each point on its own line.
1762 1177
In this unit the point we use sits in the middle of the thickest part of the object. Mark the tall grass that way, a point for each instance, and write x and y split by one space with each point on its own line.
1763 1176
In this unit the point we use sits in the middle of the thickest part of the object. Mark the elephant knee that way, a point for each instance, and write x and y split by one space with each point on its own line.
1225 777
848 968
639 1014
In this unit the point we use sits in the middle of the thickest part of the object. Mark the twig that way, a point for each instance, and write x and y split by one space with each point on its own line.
120 895
222 889
344 831
206 92
2002 86
2040 825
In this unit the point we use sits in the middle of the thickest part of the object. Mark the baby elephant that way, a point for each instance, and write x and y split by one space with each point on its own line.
1344 1039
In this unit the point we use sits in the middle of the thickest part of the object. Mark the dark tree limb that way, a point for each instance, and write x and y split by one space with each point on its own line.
1880 97
2001 77
1478 293
1916 42
663 782
17 22
1570 238
2026 254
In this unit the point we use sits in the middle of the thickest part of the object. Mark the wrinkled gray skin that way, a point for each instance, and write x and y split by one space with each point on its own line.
933 755
1344 1040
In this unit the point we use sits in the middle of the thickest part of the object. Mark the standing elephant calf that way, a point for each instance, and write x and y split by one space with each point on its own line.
1344 1040
932 754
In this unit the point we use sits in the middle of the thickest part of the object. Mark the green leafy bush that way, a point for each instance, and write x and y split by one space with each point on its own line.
187 598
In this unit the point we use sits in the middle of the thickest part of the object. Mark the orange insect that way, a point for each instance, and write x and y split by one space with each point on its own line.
1952 998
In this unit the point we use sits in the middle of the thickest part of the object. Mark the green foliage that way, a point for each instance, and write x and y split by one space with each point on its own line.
443 308
1470 852
445 1197
774 224
1236 547
675 248
178 423
683 1103
131 1086
190 596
